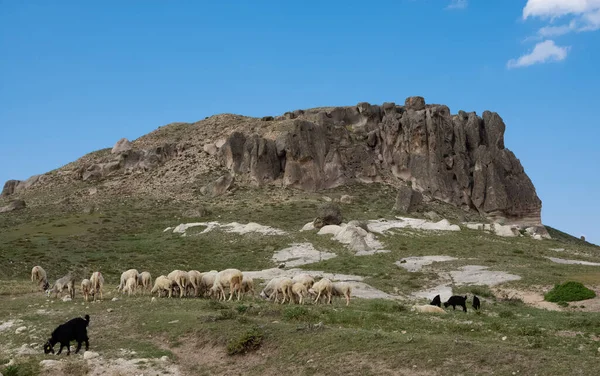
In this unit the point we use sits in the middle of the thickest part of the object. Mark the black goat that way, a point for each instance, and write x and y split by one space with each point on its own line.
73 330
476 302
436 301
457 300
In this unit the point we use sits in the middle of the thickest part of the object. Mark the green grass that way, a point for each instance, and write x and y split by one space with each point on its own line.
569 292
370 337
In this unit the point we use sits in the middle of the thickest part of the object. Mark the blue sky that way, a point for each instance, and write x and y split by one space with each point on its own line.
76 76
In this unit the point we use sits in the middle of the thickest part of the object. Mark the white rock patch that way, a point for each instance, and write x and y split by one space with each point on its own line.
228 227
301 254
414 264
7 325
356 238
572 262
381 225
479 275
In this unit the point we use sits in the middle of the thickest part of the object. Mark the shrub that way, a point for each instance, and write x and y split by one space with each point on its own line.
248 341
569 292
295 313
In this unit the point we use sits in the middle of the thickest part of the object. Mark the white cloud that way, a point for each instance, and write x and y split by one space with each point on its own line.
458 4
585 15
543 52
558 8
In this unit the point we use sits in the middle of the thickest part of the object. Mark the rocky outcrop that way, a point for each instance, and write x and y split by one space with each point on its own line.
10 187
219 186
13 205
121 146
128 161
328 214
459 159
408 200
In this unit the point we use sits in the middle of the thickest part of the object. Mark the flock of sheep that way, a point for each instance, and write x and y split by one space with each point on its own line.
212 284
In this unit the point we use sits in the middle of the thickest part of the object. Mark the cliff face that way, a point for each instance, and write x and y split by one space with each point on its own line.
459 159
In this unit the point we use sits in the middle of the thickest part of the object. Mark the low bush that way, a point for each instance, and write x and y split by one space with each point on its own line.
569 292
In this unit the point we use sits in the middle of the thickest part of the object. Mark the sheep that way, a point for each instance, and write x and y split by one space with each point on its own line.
73 330
207 281
299 290
276 285
428 308
247 285
322 287
476 302
86 289
436 301
457 300
97 281
231 278
39 277
67 282
145 281
195 280
162 283
130 286
342 289
181 278
125 276
305 279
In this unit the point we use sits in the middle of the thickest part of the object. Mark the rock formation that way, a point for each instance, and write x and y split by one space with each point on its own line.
459 159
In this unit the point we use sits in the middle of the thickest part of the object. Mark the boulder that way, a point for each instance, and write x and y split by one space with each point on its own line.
219 186
13 205
346 199
407 200
210 149
121 146
328 213
415 103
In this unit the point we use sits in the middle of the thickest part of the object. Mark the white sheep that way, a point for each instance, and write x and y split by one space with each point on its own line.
130 286
195 280
67 282
428 308
299 290
86 289
162 283
39 277
97 281
145 281
342 289
247 285
207 281
180 278
231 278
306 279
125 276
278 285
322 287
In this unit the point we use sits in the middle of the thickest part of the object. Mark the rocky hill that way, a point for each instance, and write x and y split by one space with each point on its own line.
424 150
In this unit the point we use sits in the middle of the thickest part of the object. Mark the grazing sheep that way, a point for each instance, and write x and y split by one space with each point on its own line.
162 283
247 285
457 300
39 277
73 330
145 281
181 278
305 279
207 281
195 280
67 282
130 286
342 289
271 288
231 278
476 302
125 276
97 281
300 291
322 287
437 301
86 289
428 308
